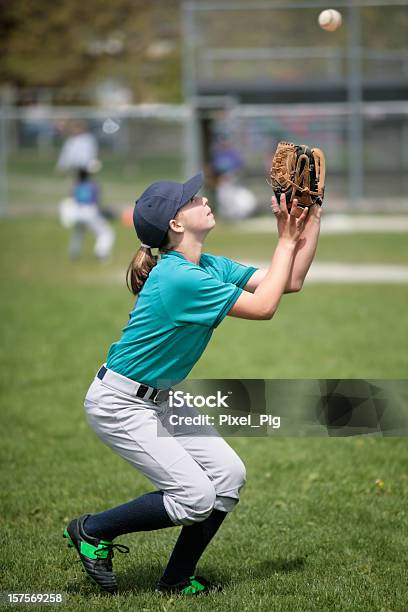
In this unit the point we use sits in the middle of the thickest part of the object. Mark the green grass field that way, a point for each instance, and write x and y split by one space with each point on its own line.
313 532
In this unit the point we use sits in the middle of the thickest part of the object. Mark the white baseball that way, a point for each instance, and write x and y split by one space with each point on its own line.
330 20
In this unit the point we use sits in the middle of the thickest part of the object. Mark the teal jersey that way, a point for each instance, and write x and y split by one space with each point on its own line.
176 312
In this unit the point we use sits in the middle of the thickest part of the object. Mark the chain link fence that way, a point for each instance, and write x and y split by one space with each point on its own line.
135 147
148 144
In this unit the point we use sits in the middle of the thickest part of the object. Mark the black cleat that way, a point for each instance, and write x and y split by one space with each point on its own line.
96 554
195 585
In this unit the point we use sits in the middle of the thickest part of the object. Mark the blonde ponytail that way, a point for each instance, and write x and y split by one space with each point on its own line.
139 269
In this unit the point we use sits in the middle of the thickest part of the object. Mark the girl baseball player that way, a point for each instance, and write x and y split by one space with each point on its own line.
182 297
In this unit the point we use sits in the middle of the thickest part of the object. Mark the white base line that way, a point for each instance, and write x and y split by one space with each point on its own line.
336 224
349 273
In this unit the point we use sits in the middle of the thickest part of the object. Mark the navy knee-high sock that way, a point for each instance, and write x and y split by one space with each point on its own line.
144 513
191 543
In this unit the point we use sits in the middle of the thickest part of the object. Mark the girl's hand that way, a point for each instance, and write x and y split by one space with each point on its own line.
290 227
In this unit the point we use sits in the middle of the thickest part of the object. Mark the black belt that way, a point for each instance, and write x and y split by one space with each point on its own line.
155 395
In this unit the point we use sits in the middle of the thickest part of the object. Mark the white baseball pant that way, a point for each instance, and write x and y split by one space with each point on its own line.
88 217
195 473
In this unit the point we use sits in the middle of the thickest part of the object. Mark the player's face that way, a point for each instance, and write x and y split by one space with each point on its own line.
196 215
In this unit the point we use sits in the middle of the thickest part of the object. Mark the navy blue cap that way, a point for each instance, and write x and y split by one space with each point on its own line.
158 204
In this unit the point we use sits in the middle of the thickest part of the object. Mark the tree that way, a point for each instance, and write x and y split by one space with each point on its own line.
76 44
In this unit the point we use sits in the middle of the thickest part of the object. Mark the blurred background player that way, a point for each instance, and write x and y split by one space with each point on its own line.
82 212
80 149
234 201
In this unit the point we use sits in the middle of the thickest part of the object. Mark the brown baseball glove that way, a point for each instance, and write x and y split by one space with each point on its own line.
298 172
